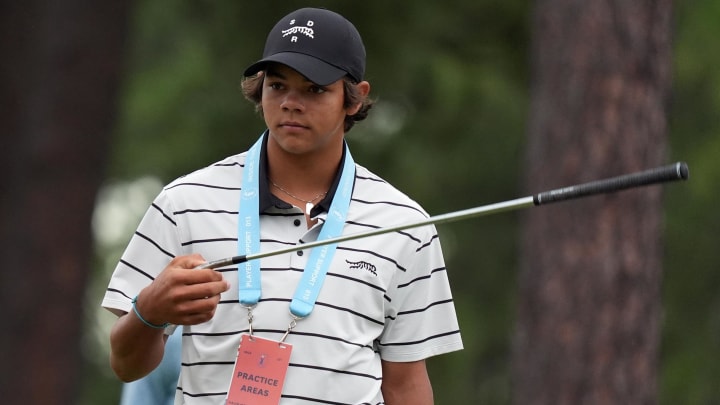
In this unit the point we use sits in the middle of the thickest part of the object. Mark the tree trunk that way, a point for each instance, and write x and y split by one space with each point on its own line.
59 75
588 328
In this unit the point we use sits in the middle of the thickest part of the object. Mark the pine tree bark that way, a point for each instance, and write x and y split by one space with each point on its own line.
60 70
589 308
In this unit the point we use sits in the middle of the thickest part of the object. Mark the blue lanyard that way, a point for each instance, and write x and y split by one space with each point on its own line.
308 289
249 228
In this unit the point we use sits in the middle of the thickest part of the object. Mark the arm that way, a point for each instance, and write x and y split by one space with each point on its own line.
159 386
406 383
179 295
135 349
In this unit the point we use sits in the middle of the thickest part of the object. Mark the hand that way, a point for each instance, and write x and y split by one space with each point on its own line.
182 295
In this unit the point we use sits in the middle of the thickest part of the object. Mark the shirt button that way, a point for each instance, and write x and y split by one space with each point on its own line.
297 222
300 253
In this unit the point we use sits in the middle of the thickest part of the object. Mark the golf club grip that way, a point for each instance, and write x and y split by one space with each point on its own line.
676 171
223 262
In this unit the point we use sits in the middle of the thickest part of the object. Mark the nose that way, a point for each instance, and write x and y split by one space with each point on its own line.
292 102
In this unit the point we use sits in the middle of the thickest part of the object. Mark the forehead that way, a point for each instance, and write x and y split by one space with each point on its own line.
285 72
281 71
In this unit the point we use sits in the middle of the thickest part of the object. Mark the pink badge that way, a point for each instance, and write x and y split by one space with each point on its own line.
259 372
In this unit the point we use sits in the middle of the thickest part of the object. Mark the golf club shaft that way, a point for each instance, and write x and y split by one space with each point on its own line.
676 171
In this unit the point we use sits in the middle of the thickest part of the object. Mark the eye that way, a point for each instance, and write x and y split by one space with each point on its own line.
275 85
315 89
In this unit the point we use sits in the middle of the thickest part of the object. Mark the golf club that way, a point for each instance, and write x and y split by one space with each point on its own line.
676 171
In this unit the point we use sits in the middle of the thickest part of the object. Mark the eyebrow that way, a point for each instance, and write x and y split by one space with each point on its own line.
273 72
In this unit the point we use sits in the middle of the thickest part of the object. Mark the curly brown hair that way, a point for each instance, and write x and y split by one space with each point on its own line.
252 90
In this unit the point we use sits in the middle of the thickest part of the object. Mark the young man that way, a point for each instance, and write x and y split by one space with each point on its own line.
345 324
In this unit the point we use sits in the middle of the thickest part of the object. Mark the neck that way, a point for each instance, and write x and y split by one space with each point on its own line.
303 176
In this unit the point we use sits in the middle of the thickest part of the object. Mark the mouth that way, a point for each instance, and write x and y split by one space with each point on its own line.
292 125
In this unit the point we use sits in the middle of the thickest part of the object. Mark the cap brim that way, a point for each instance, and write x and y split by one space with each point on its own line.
314 69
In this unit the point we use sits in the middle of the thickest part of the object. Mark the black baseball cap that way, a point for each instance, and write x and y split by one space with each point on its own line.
320 44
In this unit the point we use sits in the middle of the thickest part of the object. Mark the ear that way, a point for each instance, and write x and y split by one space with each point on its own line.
363 89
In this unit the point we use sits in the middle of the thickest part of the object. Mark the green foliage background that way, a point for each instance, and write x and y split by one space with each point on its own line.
451 79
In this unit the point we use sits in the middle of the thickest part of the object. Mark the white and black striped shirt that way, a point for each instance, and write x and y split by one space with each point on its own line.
385 297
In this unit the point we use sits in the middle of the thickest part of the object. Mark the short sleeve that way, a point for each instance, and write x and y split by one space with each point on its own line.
420 320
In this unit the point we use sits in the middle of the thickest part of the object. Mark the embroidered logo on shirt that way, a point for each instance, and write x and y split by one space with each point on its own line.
363 265
306 30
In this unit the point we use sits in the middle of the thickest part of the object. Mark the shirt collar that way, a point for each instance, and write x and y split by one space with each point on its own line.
269 200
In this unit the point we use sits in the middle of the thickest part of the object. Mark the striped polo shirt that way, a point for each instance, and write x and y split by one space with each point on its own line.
385 297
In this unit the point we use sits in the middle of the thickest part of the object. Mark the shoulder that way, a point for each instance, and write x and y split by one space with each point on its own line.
378 204
223 173
373 189
217 183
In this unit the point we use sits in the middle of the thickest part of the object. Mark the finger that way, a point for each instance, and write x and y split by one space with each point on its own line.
202 290
197 318
188 261
191 276
199 310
